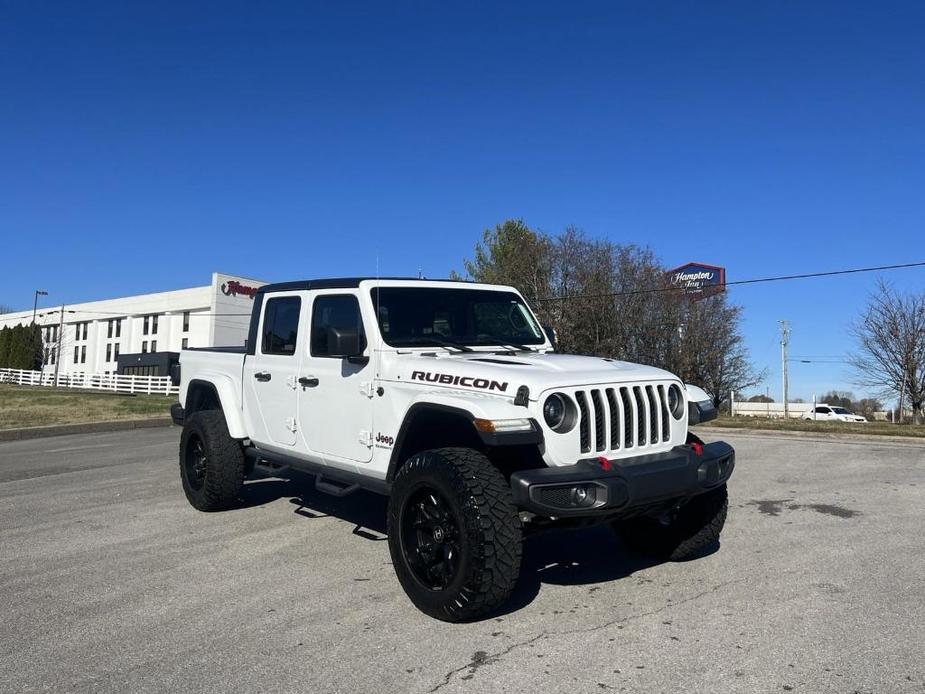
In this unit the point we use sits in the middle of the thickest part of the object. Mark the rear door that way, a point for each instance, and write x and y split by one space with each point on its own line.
271 374
335 403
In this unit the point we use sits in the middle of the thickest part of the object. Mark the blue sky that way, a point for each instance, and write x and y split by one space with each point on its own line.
143 145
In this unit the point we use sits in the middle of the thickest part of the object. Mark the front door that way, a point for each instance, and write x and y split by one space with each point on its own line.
335 401
272 374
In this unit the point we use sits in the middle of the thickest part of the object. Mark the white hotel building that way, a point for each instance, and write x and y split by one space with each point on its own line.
142 334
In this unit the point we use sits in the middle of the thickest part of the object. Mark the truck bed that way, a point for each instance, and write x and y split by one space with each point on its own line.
215 365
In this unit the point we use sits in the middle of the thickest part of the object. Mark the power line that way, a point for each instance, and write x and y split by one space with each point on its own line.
651 290
756 280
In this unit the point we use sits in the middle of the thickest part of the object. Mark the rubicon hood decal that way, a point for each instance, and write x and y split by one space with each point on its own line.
465 381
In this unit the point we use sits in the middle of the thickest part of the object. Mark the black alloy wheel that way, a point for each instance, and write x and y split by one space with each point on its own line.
430 538
195 462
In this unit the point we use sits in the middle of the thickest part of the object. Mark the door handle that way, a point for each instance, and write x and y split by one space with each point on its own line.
262 376
308 382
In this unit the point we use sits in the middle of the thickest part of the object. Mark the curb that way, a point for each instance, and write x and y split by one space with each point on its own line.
847 437
86 428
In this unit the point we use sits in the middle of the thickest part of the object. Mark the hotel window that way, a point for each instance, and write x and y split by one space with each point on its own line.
115 353
186 321
76 354
185 344
83 354
154 324
108 352
76 331
86 328
109 330
54 355
119 327
153 345
144 347
54 334
147 322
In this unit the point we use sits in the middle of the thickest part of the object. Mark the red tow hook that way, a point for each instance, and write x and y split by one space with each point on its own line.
605 464
697 447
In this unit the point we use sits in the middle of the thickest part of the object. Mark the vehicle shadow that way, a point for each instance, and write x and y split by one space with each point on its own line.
365 510
570 557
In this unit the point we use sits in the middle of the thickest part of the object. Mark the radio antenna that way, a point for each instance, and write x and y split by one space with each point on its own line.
378 320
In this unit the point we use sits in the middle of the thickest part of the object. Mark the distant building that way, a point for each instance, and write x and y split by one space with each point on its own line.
142 334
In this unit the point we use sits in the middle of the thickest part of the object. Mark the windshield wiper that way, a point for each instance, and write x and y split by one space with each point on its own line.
441 342
508 343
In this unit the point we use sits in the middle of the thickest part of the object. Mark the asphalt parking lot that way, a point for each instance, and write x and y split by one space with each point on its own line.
110 582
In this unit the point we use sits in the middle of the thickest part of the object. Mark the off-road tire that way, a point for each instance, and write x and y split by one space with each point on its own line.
219 487
693 528
479 501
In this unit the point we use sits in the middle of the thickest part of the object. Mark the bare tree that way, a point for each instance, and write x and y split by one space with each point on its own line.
5 309
890 352
712 352
615 300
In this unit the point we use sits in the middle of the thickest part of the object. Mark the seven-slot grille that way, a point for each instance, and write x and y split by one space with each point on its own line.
622 417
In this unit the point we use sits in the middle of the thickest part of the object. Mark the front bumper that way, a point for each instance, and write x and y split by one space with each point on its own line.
623 487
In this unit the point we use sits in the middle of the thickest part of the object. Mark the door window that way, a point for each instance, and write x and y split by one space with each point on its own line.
281 325
340 311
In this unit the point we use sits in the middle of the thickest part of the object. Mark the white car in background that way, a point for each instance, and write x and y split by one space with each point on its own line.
831 413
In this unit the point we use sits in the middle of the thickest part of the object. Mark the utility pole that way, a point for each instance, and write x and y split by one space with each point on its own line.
60 338
784 339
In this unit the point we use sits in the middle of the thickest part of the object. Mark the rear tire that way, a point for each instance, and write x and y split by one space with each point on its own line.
685 534
454 534
211 462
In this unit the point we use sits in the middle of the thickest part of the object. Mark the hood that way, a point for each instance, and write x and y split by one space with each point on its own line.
537 371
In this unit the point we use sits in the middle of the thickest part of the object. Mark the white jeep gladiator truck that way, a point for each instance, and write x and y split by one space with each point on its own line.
449 398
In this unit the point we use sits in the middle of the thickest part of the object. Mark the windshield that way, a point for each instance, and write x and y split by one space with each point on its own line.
429 316
840 410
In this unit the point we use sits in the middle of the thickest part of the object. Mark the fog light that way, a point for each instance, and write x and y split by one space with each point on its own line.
583 496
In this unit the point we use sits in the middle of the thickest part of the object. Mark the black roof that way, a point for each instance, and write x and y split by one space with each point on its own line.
338 283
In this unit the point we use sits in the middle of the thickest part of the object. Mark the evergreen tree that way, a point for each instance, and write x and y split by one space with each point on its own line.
5 337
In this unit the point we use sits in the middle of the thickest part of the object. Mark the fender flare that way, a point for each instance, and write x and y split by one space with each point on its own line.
534 437
223 388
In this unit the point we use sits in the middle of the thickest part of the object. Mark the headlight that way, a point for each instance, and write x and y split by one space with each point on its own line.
559 413
675 401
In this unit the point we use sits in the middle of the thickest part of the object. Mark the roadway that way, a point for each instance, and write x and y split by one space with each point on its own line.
111 582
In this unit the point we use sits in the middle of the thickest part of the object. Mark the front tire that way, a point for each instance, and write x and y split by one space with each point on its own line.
454 534
684 534
211 462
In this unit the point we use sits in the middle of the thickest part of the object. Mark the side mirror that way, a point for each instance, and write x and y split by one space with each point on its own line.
347 344
551 335
700 406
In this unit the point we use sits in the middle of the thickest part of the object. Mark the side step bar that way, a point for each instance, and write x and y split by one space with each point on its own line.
327 479
333 488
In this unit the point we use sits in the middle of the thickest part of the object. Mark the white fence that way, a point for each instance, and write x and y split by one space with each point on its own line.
771 410
150 385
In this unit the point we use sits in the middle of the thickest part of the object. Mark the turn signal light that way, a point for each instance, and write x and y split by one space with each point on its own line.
495 426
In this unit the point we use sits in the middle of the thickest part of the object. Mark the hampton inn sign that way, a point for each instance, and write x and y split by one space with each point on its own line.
699 279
